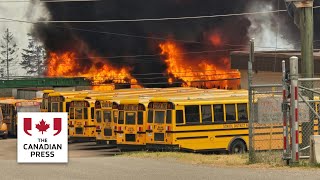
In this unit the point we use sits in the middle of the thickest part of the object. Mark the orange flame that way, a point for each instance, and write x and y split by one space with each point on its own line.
100 72
203 74
215 40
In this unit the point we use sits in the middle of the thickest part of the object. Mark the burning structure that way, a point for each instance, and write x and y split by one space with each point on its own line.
148 53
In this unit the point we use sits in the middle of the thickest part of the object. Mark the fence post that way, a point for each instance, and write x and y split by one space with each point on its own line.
294 109
250 123
285 113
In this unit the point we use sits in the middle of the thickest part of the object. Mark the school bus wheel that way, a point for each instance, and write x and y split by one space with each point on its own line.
5 136
238 146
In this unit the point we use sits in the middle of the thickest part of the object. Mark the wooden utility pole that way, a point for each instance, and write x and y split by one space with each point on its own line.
306 33
303 16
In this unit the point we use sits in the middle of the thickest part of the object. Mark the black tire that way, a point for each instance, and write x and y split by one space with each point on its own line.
237 147
5 136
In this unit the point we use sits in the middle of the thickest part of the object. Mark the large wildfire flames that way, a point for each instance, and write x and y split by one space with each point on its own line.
67 65
199 73
175 66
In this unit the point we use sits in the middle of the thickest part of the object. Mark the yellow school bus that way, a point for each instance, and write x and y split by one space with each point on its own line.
106 117
45 96
101 122
199 125
82 125
10 108
131 134
212 124
106 113
3 127
106 131
131 124
60 101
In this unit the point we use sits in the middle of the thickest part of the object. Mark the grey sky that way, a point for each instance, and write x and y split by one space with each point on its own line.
21 11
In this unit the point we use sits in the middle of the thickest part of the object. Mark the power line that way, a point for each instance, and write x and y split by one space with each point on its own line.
164 19
106 32
157 38
125 35
138 36
158 55
170 18
152 55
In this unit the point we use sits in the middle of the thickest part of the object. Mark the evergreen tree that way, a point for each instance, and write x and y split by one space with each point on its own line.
33 57
8 51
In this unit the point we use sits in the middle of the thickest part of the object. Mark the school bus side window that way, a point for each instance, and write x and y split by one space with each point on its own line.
230 112
192 114
71 113
218 113
121 117
150 116
49 107
61 107
206 114
92 113
85 112
242 112
67 106
98 116
115 116
179 117
169 116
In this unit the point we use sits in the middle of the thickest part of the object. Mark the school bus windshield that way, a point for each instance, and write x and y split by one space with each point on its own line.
131 114
107 116
78 113
159 116
79 110
130 118
44 104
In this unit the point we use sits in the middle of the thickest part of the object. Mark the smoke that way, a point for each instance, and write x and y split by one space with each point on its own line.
22 11
272 31
105 39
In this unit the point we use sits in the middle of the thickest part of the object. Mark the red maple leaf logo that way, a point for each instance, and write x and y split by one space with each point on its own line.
42 126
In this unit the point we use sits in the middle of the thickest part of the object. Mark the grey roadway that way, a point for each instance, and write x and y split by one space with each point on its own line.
140 169
85 164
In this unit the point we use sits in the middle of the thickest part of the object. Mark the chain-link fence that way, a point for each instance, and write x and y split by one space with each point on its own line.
283 117
267 128
309 91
